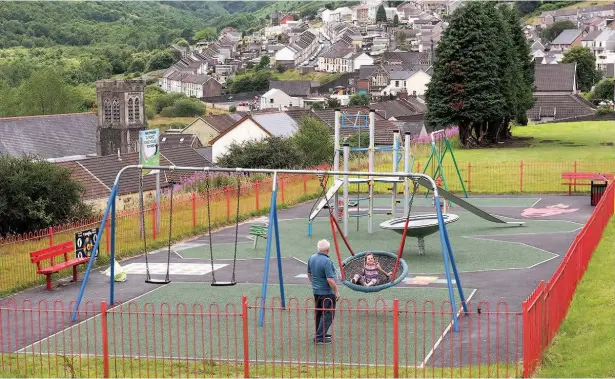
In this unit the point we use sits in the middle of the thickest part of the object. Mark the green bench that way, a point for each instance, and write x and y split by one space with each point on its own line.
258 231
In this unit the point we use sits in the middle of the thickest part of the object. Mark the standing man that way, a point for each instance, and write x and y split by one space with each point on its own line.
321 273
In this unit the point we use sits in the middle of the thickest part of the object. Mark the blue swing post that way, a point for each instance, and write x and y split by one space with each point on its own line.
273 225
110 205
446 254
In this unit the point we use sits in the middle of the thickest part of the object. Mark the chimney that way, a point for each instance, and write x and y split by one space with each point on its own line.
402 95
119 158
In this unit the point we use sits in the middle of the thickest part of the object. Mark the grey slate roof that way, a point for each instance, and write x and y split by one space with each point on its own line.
554 77
293 87
278 124
49 136
566 106
566 37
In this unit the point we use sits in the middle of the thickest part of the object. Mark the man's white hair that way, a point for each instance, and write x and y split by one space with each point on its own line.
323 245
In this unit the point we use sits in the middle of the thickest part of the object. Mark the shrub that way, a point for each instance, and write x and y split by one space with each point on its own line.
271 152
184 108
313 140
35 194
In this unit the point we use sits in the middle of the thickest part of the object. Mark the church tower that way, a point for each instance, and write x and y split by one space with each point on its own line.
120 115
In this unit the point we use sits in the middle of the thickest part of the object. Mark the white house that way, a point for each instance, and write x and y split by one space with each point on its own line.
339 14
414 82
278 99
362 60
285 54
245 129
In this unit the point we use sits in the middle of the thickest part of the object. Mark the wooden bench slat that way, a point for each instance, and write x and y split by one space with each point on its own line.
49 252
61 266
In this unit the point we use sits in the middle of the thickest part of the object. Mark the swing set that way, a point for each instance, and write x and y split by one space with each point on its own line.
399 267
440 145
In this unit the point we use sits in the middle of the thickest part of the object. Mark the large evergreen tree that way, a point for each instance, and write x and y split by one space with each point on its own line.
381 14
479 81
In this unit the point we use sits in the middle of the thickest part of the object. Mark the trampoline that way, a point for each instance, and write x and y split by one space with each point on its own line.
420 226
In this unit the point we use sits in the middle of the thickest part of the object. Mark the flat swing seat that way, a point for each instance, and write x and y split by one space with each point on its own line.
223 284
157 281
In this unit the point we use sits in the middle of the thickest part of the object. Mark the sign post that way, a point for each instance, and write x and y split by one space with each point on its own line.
84 243
149 155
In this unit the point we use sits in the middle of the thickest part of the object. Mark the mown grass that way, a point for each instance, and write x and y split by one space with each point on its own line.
60 366
583 347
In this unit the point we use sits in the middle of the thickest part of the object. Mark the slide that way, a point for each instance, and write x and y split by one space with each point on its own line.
334 188
467 206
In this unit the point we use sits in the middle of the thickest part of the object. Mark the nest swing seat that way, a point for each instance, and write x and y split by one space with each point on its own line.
354 265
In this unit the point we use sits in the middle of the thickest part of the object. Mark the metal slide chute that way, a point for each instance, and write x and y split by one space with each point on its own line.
467 206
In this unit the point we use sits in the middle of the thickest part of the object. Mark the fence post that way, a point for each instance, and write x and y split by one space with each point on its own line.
193 210
418 167
282 187
105 338
396 338
525 321
469 176
257 186
227 191
153 221
51 236
575 179
521 177
304 184
246 350
108 237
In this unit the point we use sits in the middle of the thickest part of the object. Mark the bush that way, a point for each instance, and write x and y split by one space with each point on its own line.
232 109
150 113
166 100
35 194
314 142
184 108
604 110
271 152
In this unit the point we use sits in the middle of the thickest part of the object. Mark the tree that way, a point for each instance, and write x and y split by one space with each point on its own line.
525 90
604 90
333 102
381 14
46 92
36 194
587 75
314 142
207 34
466 86
182 42
396 20
264 62
527 7
271 152
137 65
160 60
555 29
359 100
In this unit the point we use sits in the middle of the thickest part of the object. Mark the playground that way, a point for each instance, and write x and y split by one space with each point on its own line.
462 267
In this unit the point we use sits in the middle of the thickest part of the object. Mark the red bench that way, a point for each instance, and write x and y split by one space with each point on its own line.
51 253
572 178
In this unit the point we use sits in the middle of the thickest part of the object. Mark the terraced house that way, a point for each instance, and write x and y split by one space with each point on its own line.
298 51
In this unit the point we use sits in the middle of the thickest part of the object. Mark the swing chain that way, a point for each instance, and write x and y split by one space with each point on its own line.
142 214
211 251
236 227
170 232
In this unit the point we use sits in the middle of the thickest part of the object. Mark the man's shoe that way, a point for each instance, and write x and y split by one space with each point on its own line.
326 341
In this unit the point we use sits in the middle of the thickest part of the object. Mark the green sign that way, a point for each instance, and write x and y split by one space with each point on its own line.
149 153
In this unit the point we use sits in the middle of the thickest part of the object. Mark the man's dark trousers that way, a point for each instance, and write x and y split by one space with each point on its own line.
324 318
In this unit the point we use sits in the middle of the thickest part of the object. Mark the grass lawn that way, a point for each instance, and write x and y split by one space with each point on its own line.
321 77
164 122
584 345
557 142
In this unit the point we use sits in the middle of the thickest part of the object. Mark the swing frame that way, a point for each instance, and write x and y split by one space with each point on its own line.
425 180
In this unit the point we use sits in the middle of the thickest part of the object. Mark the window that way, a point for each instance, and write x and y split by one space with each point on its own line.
137 110
131 110
106 111
397 83
271 101
115 111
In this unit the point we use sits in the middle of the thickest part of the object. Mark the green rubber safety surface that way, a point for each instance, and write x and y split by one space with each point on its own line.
190 332
469 238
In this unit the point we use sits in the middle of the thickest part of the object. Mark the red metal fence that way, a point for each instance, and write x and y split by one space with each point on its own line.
546 308
370 339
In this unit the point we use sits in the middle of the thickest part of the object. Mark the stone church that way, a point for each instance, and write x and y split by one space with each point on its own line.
120 115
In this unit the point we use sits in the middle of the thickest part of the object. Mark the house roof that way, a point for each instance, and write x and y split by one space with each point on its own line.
49 136
328 115
566 106
98 174
278 124
566 37
172 140
400 74
554 77
340 49
591 35
396 108
292 87
239 122
223 121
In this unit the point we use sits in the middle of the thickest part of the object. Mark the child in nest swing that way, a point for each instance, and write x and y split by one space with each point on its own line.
370 273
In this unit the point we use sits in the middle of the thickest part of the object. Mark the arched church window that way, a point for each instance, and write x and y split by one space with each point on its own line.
116 111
